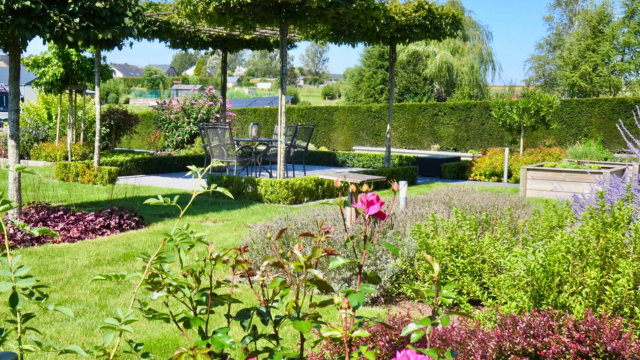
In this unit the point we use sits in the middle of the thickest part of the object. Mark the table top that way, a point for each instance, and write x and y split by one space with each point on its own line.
256 140
353 178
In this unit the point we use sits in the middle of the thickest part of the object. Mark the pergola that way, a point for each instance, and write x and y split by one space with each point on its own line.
166 26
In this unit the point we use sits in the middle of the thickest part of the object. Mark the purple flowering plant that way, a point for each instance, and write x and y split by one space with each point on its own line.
178 118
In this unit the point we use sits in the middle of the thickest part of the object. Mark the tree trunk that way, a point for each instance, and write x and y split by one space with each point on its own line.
96 150
84 101
223 85
59 117
393 57
15 190
75 115
69 125
282 101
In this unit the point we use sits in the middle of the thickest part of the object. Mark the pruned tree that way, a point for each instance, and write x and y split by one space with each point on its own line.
201 69
315 59
531 112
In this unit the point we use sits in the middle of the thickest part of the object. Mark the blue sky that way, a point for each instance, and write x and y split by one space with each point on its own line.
516 26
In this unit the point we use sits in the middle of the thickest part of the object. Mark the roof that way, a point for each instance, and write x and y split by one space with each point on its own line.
232 79
164 68
256 102
26 76
187 87
128 70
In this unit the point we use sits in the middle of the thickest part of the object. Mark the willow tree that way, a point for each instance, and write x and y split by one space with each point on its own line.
103 25
20 22
165 24
305 16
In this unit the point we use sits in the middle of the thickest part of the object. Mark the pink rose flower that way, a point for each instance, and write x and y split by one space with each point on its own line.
200 115
408 354
371 205
210 89
232 114
191 89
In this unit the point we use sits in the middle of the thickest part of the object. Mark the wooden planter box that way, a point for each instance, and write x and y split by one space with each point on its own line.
632 168
538 181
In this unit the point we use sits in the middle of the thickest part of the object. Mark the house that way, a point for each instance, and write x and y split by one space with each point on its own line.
190 71
300 81
232 81
169 70
126 70
185 90
26 81
4 104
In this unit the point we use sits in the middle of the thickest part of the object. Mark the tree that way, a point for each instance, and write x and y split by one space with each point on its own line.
154 78
534 110
182 60
629 47
315 59
201 69
263 64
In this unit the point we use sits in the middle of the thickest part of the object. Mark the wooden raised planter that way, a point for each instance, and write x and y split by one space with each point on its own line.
633 168
539 181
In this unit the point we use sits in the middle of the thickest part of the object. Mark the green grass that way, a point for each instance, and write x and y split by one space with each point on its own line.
68 268
310 94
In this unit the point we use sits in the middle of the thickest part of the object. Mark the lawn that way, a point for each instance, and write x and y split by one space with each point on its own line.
68 268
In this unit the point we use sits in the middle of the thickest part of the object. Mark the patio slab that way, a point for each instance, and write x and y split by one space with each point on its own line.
179 181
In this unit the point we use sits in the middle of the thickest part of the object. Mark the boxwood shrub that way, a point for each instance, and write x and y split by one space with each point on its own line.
356 160
298 190
85 173
460 170
152 164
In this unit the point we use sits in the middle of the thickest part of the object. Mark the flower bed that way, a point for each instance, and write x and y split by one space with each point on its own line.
72 226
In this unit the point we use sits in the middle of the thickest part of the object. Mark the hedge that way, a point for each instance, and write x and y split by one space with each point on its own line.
153 164
85 173
143 135
459 126
295 190
406 173
460 170
355 160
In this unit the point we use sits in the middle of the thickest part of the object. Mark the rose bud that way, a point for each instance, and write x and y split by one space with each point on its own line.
353 189
337 183
395 187
365 188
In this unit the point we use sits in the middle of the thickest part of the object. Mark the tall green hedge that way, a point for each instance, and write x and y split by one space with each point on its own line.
460 126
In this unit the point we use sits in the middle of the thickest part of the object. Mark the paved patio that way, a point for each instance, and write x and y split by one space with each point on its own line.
179 181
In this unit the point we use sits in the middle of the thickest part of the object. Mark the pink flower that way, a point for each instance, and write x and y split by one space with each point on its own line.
328 229
217 115
336 183
211 103
232 114
191 89
200 115
408 354
395 187
210 89
193 102
371 205
173 116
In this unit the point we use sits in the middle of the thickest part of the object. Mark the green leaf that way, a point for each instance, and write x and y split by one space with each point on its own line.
411 328
15 300
26 282
64 310
356 300
338 261
73 349
5 286
360 333
333 333
391 248
302 326
445 320
415 336
22 270
374 279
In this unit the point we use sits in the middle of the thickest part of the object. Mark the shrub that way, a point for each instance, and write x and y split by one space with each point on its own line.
490 167
145 135
291 91
31 133
72 226
139 164
551 260
533 156
356 160
116 122
48 151
406 173
539 334
590 150
85 173
460 170
331 92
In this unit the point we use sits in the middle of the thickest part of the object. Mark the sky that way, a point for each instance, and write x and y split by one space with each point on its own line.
516 26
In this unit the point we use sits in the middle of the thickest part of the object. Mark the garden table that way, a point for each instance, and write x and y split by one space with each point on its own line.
256 154
352 178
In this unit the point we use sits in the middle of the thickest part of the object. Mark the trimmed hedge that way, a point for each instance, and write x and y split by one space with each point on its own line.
143 135
460 170
356 160
85 173
459 126
153 164
297 190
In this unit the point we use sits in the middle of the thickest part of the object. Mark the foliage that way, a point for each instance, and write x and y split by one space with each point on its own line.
490 167
114 91
406 173
331 92
178 119
315 59
144 136
421 125
534 110
154 78
48 151
85 173
200 69
291 91
144 165
572 165
551 260
617 190
459 170
183 60
263 64
71 226
539 333
116 122
32 132
590 150
588 50
60 67
351 159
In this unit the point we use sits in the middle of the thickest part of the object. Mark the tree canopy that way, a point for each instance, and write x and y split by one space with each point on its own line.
315 59
182 60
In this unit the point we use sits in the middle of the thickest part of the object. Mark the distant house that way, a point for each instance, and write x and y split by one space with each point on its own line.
26 81
126 70
232 81
257 80
185 90
300 81
191 71
169 70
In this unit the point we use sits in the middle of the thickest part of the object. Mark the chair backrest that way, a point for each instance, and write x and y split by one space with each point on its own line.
304 132
205 139
220 141
289 133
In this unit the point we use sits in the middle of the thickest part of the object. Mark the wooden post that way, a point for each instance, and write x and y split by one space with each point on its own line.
523 181
13 141
393 57
59 116
96 150
69 125
84 101
223 85
282 101
75 114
